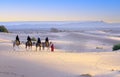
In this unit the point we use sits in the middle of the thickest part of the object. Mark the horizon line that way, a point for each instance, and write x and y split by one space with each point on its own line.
61 21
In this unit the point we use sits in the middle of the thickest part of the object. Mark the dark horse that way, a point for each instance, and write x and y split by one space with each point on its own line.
16 43
28 44
38 45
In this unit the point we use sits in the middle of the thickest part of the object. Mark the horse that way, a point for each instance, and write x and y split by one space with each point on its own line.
47 44
16 43
43 45
28 44
38 45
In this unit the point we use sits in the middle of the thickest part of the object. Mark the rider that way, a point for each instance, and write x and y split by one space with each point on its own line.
38 41
46 39
17 39
28 39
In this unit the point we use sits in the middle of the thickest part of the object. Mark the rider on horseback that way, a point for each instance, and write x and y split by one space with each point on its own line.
38 41
46 39
38 44
17 39
28 39
29 42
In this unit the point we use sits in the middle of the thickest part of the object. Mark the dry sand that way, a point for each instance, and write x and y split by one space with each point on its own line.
22 63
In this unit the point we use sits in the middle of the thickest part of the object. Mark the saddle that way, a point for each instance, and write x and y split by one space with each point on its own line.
17 42
47 43
29 42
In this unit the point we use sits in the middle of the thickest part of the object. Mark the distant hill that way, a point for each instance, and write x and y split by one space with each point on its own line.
3 29
58 24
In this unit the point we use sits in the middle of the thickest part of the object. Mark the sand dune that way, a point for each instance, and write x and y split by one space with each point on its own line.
61 63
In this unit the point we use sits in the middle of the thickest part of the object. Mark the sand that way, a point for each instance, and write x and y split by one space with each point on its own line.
44 63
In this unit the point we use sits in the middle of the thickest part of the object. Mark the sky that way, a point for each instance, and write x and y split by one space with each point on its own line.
60 10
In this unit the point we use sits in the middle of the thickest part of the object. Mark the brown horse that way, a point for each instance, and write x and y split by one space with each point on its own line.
16 43
38 45
28 44
47 45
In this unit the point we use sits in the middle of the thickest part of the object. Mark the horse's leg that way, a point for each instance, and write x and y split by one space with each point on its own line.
14 46
26 46
36 48
48 48
31 48
43 47
39 48
47 45
18 46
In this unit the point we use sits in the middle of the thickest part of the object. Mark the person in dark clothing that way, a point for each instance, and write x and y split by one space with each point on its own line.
28 38
38 41
17 39
46 39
